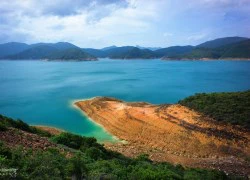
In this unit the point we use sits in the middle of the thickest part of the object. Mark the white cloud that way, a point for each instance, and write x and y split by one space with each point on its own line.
79 29
104 22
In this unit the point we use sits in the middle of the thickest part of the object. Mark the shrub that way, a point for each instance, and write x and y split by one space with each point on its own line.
231 108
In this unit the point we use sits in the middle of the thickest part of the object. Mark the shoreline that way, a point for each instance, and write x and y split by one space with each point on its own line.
115 139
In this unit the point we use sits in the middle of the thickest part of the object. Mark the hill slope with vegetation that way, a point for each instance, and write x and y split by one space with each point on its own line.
56 52
233 107
12 48
221 48
37 52
68 156
173 51
70 54
216 43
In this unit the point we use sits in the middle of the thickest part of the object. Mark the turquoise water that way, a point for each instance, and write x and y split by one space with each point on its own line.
41 93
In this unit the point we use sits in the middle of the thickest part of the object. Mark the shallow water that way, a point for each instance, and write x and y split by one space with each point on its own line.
41 93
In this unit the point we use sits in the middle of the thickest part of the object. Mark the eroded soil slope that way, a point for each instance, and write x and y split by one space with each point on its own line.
171 133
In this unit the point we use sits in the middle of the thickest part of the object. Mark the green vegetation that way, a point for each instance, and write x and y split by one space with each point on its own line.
130 52
12 48
70 54
58 51
37 52
6 123
88 159
199 53
239 50
174 51
221 42
232 108
236 50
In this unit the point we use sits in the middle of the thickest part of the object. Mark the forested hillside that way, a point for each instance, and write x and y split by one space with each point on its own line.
231 107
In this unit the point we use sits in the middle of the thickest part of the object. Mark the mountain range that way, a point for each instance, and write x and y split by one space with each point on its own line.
222 48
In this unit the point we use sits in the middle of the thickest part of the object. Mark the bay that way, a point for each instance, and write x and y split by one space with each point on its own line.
42 93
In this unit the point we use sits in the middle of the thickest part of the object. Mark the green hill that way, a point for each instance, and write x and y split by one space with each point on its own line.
108 48
221 42
199 53
37 52
40 155
59 45
130 52
125 52
173 51
222 48
12 48
232 107
70 54
235 50
52 53
238 50
95 52
118 51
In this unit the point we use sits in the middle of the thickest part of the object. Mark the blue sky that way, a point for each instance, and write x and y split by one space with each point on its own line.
100 23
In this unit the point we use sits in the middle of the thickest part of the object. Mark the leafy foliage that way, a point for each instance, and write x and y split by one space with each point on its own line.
6 122
232 108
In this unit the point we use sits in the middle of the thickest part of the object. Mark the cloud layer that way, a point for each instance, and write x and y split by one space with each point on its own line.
101 23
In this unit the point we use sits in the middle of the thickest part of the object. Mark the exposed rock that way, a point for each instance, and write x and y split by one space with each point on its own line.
165 131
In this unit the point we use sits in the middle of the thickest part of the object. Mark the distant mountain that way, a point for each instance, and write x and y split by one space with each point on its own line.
59 45
37 52
95 52
64 45
200 53
44 51
118 51
108 48
173 51
130 52
71 54
238 50
221 42
229 47
150 48
11 48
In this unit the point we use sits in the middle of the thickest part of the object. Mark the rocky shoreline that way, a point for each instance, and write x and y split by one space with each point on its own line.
171 133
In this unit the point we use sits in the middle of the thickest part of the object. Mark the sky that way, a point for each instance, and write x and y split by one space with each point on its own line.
101 23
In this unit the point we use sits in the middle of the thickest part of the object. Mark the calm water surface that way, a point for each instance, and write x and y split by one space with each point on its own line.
41 93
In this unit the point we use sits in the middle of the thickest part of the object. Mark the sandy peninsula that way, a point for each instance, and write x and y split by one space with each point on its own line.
171 133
